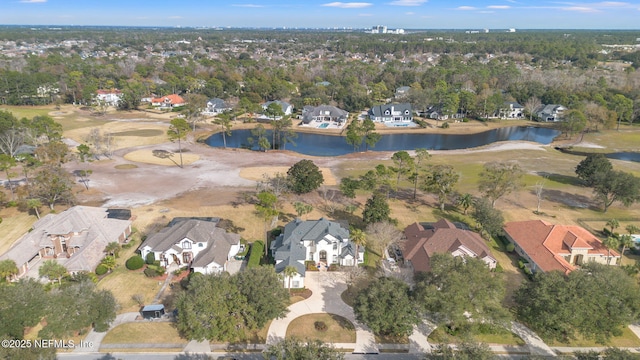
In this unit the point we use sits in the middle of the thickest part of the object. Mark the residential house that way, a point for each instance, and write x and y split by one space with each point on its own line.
216 106
75 238
423 240
402 91
324 113
549 247
512 110
551 112
391 113
323 242
438 113
197 243
287 110
110 97
168 101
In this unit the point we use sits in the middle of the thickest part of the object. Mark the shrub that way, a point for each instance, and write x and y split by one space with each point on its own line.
510 247
257 249
101 269
129 244
153 271
445 125
320 325
135 262
150 258
498 268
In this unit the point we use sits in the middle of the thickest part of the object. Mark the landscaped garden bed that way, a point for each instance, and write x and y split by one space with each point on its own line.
336 329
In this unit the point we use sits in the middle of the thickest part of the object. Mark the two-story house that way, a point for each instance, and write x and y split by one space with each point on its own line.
391 113
199 244
324 113
512 110
168 101
322 242
551 112
110 97
287 110
216 106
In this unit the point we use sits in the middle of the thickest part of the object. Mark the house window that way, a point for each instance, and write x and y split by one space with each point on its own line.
335 259
335 246
200 245
295 284
186 245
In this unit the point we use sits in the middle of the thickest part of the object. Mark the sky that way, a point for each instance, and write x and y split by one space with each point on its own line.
405 14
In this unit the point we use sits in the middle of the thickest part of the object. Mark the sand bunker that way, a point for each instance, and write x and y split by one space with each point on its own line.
256 173
146 156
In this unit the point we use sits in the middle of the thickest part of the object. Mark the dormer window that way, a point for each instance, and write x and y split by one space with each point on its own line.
186 245
387 112
406 112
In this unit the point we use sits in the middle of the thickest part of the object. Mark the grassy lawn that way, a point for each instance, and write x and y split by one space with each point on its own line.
14 224
499 336
258 336
145 332
627 339
626 139
339 329
27 111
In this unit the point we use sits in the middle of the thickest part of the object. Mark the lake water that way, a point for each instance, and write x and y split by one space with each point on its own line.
328 145
626 156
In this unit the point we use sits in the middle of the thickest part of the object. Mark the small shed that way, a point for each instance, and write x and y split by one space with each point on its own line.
153 311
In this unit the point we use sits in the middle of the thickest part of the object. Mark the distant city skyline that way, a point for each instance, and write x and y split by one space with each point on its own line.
406 14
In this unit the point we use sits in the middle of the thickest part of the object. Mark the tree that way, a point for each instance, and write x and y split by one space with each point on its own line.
604 300
623 106
7 162
264 293
224 120
465 201
574 121
289 272
616 186
459 291
358 238
84 152
498 179
259 136
371 137
489 218
84 175
178 130
386 307
422 155
213 308
52 270
294 348
266 209
590 168
376 209
22 305
381 235
109 262
613 224
538 189
531 105
467 350
304 177
626 241
441 180
8 269
611 242
192 110
53 184
403 165
302 208
113 248
348 187
354 134
632 229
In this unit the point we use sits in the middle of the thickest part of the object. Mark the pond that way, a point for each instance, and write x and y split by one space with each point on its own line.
328 145
626 156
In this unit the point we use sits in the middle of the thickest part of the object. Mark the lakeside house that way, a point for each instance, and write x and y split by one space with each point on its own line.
75 238
195 243
168 101
422 240
548 247
320 242
392 113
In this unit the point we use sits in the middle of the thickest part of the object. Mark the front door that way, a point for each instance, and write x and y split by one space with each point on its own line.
323 256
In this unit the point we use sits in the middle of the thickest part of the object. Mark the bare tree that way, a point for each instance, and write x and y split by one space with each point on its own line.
381 235
531 105
329 197
10 140
538 188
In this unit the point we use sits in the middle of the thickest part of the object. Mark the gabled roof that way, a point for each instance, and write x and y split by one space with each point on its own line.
217 103
545 243
308 112
422 243
173 99
284 105
390 109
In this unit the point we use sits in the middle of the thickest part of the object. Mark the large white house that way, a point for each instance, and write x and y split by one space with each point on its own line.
391 113
322 242
199 244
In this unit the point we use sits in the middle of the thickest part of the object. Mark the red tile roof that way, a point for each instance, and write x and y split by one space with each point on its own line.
546 244
172 99
421 243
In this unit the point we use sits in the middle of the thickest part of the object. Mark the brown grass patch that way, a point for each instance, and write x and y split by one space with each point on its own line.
339 329
126 134
146 332
126 166
14 225
257 173
146 156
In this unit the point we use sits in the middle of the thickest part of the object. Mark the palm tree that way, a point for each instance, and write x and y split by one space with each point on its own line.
626 241
8 269
289 272
632 229
611 242
113 249
613 224
359 238
465 201
34 204
109 262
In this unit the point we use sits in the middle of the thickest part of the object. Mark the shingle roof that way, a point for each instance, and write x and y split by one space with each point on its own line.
545 243
379 110
173 99
421 243
308 112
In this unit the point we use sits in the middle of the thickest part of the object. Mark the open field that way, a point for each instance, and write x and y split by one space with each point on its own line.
338 329
258 173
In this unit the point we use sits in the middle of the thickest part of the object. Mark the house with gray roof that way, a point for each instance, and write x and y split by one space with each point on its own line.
199 244
323 242
324 113
402 91
391 113
287 109
216 106
511 110
551 112
75 238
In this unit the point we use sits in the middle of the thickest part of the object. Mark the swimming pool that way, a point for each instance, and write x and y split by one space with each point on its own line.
323 126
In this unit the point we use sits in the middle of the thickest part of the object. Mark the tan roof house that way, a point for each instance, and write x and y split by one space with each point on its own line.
199 244
550 247
76 238
422 241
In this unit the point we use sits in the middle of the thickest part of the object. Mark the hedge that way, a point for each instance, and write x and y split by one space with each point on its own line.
150 258
101 269
135 262
257 249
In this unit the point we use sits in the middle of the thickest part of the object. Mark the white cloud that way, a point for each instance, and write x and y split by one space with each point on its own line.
408 2
612 4
248 5
33 1
365 14
410 13
498 7
466 8
175 17
351 5
582 9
